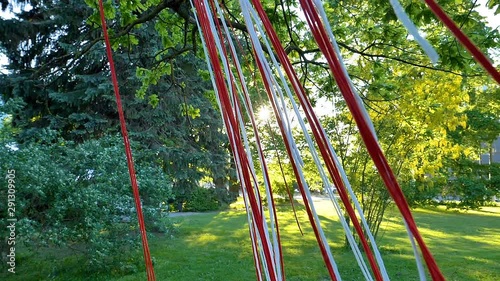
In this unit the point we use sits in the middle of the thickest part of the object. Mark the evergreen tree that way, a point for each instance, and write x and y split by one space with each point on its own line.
58 85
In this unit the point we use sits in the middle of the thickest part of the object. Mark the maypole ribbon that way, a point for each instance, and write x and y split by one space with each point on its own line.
269 84
318 133
245 97
412 29
371 143
239 174
231 123
128 151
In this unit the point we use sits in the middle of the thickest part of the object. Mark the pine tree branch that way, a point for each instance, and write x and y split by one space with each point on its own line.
146 16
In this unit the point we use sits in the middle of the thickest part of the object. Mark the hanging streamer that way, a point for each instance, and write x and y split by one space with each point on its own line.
281 116
208 28
403 17
344 177
321 140
231 94
348 233
412 29
370 141
147 255
245 97
251 226
278 261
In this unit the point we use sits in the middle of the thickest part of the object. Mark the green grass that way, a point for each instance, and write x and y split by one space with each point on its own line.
216 246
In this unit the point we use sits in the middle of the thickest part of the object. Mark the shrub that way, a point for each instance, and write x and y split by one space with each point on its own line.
473 184
420 193
201 200
79 196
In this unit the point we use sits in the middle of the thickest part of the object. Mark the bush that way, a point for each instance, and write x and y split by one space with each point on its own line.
201 200
421 193
473 193
473 184
79 196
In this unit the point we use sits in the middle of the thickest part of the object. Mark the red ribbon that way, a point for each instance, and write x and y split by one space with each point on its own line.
369 139
464 40
320 139
232 127
130 162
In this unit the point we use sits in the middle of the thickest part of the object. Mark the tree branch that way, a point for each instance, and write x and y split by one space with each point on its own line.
145 17
363 52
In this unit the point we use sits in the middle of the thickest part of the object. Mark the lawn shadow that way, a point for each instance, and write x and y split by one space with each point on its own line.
216 246
464 242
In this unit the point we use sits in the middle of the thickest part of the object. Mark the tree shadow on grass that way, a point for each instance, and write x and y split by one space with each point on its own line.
217 246
462 243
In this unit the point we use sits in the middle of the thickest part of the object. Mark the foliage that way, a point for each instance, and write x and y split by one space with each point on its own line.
472 184
421 193
417 108
43 91
201 200
60 83
416 123
475 182
78 196
280 170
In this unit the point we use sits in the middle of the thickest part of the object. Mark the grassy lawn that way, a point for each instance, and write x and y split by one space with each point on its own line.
216 246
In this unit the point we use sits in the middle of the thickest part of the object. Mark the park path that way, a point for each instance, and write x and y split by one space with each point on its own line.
185 214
